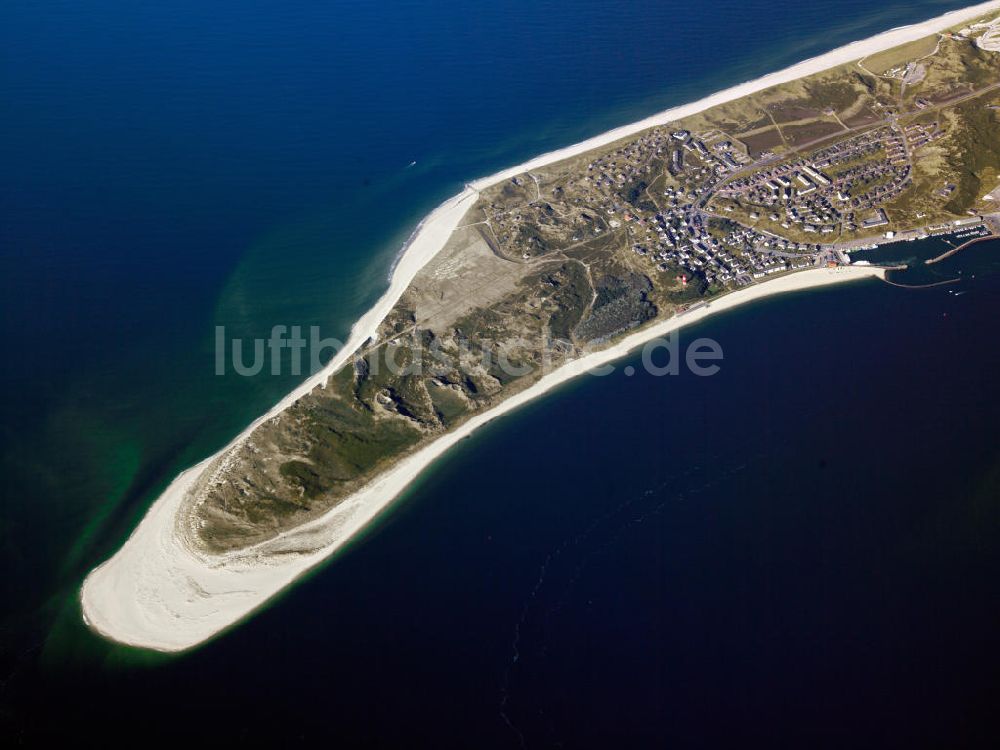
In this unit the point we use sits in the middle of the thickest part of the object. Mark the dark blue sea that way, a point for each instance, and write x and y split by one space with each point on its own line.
803 550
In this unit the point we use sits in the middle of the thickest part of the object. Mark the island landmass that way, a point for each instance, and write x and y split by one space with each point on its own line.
550 269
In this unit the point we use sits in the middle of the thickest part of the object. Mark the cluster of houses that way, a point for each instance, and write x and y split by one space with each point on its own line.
735 254
677 237
668 224
721 158
824 195
624 173
920 134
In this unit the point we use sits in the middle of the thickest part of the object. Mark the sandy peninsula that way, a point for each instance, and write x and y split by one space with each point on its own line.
159 592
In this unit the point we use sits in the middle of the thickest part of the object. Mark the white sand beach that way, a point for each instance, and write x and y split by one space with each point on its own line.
157 592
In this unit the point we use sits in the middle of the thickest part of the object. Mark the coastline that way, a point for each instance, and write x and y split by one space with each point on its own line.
158 593
198 596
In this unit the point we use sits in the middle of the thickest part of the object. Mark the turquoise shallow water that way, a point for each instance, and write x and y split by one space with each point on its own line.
168 170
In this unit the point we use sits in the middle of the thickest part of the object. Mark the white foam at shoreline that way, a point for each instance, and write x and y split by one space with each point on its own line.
156 592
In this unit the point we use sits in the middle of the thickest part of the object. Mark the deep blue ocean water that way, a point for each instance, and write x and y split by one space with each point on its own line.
803 546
